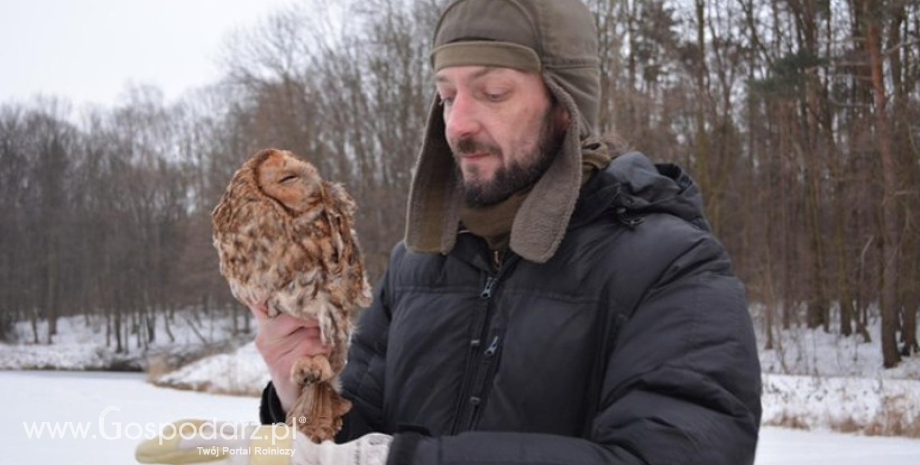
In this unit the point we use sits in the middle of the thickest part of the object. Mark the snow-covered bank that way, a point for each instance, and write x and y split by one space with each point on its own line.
871 406
812 380
81 344
877 407
887 407
241 372
813 352
86 399
821 381
881 403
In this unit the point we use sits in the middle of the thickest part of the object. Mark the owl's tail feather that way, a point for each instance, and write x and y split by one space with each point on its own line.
321 417
318 411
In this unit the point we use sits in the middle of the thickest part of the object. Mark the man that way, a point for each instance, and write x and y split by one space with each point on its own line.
548 305
542 309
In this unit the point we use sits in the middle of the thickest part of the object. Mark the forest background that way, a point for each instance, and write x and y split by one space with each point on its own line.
799 119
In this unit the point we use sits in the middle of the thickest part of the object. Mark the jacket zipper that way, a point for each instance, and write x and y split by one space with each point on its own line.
486 293
480 323
475 372
487 372
493 347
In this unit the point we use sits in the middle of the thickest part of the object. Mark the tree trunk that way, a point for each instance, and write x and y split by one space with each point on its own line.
166 318
108 328
236 325
890 240
34 319
910 296
116 325
901 77
51 283
817 313
702 146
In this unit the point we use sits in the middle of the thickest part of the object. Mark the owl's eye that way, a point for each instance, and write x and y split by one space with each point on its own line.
287 178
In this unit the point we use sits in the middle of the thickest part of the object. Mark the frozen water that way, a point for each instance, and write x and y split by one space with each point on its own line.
81 397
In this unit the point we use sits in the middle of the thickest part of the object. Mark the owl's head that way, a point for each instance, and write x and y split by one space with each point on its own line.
291 181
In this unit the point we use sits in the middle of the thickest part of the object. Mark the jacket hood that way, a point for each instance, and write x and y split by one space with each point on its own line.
556 38
633 186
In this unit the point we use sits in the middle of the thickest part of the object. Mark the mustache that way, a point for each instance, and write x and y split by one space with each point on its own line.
469 145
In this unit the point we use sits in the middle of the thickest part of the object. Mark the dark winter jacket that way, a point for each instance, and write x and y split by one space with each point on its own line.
631 345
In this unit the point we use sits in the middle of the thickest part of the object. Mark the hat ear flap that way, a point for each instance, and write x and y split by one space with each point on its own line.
433 212
542 220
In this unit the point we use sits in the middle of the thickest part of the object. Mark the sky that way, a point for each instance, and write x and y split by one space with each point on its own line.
88 51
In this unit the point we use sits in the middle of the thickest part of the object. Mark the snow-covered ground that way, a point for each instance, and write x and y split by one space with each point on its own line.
813 352
81 343
780 446
812 380
874 406
29 399
888 407
240 372
123 406
823 381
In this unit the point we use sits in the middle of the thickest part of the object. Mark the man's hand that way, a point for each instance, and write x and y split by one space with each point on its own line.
198 441
281 341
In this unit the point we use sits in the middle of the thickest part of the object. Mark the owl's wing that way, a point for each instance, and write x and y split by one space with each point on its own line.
359 290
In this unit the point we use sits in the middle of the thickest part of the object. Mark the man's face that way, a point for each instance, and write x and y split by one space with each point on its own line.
502 128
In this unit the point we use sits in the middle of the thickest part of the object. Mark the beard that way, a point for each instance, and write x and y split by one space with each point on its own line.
518 174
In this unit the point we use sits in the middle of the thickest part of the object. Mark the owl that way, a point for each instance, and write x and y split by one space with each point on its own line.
285 239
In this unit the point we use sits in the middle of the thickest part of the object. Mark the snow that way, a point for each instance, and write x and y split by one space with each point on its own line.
812 381
869 406
823 381
187 326
780 446
81 343
82 397
241 372
874 406
210 357
813 352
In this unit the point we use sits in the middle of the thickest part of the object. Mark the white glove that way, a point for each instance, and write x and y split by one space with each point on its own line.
370 449
222 443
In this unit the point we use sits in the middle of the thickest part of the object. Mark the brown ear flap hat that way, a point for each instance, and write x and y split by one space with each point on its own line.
556 38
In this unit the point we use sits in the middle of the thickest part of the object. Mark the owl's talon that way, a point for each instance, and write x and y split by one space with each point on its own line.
310 370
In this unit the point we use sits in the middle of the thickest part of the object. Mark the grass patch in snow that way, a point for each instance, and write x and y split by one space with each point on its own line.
874 407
